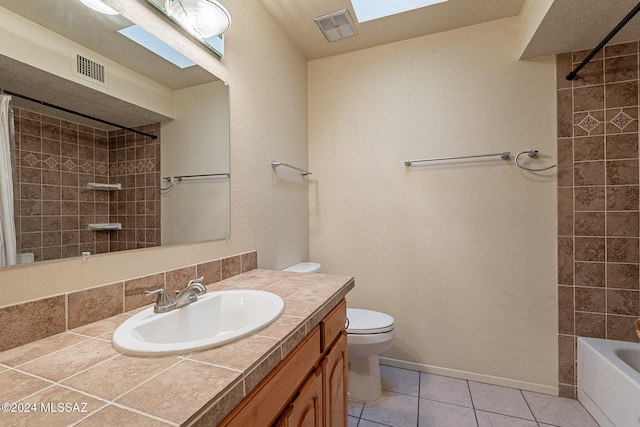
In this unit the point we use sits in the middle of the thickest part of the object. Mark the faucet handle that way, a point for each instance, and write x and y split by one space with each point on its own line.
163 299
198 280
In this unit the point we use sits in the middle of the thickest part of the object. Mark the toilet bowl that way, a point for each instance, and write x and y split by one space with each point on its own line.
369 333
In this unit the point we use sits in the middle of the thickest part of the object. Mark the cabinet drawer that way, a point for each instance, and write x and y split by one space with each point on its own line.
333 324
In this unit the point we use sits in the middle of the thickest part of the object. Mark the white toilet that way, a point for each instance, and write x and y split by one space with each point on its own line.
369 333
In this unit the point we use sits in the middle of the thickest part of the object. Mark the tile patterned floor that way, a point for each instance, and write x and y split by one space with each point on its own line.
419 399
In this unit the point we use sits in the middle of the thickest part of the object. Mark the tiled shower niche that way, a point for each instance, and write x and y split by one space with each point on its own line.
598 209
55 161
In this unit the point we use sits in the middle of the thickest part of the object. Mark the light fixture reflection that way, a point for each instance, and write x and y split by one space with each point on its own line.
204 18
98 6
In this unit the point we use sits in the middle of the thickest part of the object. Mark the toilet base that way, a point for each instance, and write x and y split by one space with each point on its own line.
365 384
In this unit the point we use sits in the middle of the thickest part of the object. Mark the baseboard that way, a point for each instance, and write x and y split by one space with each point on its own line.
471 376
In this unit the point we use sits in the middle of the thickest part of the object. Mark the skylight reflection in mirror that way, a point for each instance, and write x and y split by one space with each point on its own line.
368 10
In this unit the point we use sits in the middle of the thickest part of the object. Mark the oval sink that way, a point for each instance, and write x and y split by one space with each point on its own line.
217 318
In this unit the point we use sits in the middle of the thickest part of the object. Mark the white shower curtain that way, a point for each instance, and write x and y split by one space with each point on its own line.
7 224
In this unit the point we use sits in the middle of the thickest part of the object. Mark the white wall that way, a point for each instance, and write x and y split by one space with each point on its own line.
461 254
267 79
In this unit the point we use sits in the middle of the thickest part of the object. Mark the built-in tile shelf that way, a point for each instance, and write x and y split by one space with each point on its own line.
104 187
105 226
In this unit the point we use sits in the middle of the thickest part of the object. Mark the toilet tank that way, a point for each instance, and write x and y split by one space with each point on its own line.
304 267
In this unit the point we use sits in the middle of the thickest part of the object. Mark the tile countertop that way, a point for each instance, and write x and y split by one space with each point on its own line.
78 378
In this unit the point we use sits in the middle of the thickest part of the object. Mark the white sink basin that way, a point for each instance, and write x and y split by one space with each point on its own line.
217 318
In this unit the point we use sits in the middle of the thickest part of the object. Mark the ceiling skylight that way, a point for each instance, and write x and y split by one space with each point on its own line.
147 40
367 10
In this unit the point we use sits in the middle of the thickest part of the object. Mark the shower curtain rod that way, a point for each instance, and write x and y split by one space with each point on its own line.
66 110
609 36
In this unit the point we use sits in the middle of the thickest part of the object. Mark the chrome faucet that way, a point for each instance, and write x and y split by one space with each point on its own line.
189 294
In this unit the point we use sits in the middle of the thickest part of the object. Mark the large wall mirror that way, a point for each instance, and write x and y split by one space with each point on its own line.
159 178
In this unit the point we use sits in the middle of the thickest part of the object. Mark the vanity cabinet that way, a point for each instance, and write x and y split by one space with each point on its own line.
308 388
334 374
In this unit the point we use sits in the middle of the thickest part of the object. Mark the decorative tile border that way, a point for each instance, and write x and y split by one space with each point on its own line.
34 320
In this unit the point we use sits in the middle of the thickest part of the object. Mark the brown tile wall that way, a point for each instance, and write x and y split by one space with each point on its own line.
56 159
134 162
34 320
598 211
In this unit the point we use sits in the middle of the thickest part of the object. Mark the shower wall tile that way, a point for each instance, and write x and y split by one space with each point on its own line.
590 274
598 208
56 159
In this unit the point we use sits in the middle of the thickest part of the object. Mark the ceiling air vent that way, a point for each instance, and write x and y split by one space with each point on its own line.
337 25
89 69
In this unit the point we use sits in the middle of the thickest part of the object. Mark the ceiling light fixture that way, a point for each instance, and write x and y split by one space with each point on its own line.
203 18
98 6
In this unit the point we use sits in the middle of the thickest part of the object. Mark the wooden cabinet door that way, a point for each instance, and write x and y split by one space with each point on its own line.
334 373
306 409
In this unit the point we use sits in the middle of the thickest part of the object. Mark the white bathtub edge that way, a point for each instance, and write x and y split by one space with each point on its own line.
607 386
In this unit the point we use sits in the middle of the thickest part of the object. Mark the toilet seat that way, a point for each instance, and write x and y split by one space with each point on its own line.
367 322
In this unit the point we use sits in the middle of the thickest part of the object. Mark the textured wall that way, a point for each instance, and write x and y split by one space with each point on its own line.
598 223
461 253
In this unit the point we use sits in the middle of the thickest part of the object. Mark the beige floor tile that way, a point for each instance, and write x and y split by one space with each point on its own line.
355 408
559 411
398 380
445 389
392 409
489 419
500 400
432 414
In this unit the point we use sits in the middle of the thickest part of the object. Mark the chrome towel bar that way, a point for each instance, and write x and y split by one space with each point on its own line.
181 177
504 156
275 164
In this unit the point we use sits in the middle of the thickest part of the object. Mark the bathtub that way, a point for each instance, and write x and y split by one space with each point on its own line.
609 381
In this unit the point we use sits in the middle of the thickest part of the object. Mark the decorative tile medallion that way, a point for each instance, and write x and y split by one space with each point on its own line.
51 162
621 120
589 123
31 159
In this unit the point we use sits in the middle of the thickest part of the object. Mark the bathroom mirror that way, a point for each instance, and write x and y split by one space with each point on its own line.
188 108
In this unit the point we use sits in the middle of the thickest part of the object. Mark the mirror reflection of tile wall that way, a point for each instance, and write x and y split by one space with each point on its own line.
56 159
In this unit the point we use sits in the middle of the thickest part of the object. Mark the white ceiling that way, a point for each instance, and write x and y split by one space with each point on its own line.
568 25
296 18
572 25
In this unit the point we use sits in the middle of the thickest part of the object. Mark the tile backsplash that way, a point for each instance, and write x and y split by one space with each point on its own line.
34 320
598 210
